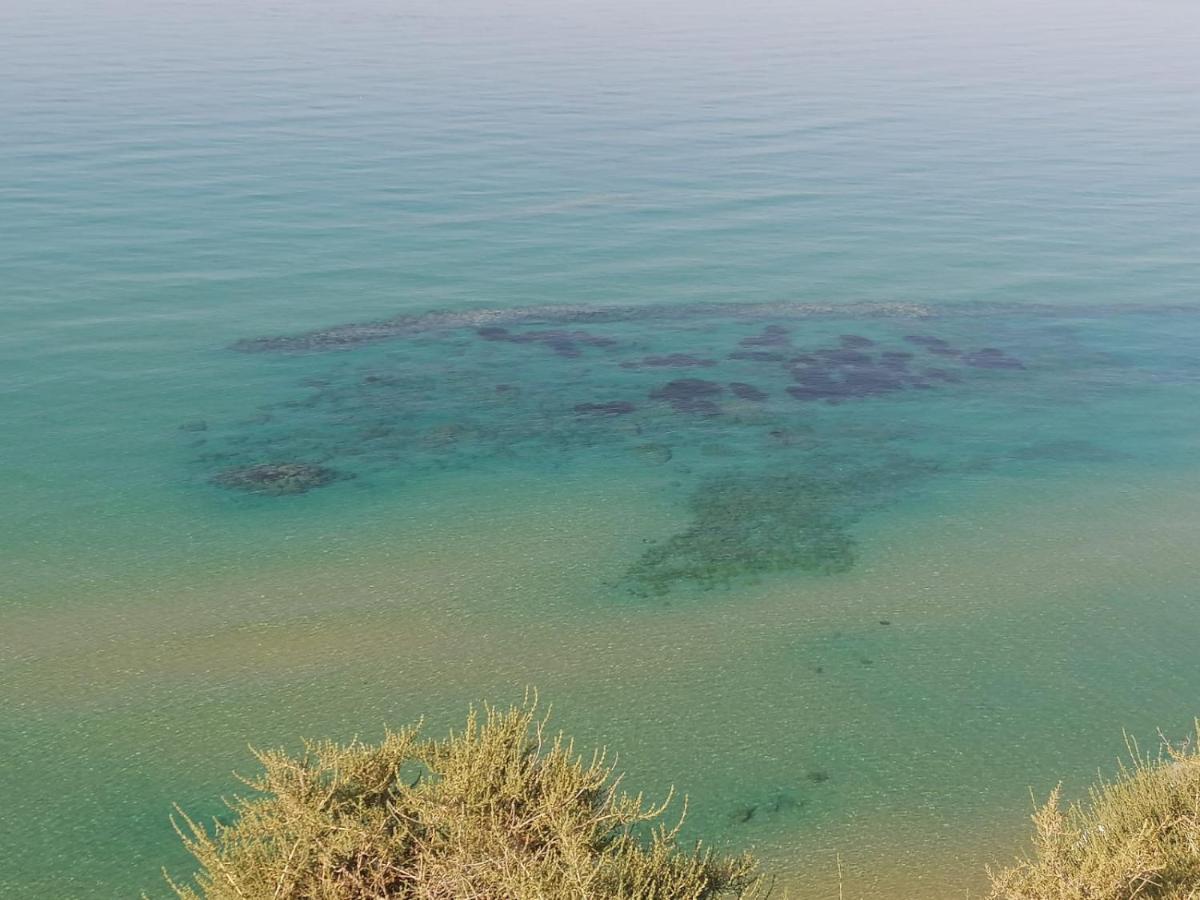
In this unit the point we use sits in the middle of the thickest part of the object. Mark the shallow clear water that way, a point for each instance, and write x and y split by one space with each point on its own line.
804 401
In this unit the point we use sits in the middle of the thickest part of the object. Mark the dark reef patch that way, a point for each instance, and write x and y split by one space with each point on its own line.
690 395
770 483
769 356
840 356
848 372
856 341
671 361
562 343
747 391
771 336
817 384
356 334
932 344
607 408
276 479
894 359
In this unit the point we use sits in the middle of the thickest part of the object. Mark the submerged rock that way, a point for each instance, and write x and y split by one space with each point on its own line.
744 813
747 391
894 359
447 435
354 334
276 479
785 803
563 343
690 395
842 356
654 453
771 336
845 381
686 389
856 341
771 356
670 361
607 408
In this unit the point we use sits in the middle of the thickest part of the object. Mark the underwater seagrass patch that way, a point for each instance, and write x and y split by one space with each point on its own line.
751 524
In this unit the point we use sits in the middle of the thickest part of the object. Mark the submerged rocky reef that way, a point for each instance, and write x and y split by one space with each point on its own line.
786 424
497 321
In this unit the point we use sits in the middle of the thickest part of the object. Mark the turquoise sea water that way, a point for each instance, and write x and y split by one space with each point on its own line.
804 400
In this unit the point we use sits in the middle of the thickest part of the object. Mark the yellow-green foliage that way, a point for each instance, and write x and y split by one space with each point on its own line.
1135 837
500 811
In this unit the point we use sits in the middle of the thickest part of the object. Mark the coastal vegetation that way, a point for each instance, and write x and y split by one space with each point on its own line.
502 809
1136 837
505 809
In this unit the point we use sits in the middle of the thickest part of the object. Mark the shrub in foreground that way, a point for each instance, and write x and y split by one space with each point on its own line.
1135 837
500 811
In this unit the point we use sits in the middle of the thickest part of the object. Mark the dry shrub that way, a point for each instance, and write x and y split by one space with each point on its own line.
1135 837
500 811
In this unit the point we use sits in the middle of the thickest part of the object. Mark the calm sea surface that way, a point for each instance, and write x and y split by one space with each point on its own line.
805 398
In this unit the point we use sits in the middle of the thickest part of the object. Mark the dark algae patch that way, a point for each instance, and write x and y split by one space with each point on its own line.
276 479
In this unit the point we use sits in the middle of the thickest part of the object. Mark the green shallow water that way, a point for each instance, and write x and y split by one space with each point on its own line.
805 403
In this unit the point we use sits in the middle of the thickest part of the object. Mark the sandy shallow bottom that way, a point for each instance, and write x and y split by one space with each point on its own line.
1027 626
